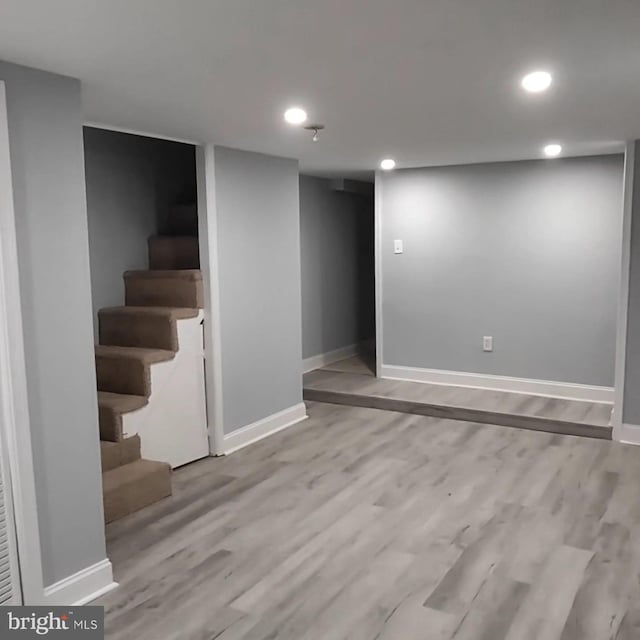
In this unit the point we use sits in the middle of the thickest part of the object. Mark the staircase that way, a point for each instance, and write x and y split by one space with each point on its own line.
132 339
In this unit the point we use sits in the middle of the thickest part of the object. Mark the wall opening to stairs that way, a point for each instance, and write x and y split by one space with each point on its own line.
148 310
338 273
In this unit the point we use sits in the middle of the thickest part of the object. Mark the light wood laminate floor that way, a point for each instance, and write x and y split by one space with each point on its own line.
352 382
363 364
373 525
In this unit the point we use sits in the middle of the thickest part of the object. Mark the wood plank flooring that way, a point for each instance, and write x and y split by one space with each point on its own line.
351 382
372 525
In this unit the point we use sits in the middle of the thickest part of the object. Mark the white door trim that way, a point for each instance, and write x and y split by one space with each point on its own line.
208 234
13 381
617 420
378 270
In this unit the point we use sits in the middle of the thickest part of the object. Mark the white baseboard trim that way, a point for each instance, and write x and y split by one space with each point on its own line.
263 428
323 359
82 587
627 434
547 388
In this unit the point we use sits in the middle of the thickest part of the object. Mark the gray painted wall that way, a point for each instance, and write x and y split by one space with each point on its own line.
526 252
257 210
631 408
336 230
45 134
132 182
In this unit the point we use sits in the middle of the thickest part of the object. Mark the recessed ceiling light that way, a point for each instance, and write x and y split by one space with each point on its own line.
295 115
537 81
388 164
552 150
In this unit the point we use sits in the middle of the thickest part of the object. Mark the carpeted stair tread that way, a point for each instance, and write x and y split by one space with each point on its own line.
173 252
117 454
174 313
183 274
126 370
146 356
121 402
133 486
111 406
164 288
146 327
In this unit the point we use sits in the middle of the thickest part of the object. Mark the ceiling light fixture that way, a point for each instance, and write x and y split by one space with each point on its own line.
295 115
536 81
552 150
388 164
316 128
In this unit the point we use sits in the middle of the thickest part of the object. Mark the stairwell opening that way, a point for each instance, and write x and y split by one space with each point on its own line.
337 237
148 307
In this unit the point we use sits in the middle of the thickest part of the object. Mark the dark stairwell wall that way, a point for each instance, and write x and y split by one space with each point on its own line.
132 183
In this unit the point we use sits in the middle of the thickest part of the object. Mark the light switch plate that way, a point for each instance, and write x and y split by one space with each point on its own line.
397 246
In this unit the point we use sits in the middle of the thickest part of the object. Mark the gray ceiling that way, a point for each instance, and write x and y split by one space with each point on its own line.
425 81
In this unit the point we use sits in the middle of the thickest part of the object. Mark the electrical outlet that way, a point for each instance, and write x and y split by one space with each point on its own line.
487 343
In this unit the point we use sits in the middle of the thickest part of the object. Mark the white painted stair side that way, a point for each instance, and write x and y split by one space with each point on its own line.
173 425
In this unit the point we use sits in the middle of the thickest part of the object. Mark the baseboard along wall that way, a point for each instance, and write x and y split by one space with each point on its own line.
81 587
627 434
263 428
547 388
324 359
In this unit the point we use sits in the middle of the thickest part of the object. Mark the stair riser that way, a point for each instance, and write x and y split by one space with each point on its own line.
465 414
110 424
116 454
161 292
135 495
123 375
153 332
170 253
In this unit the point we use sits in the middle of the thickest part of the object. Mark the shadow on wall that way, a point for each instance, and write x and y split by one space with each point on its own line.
366 274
